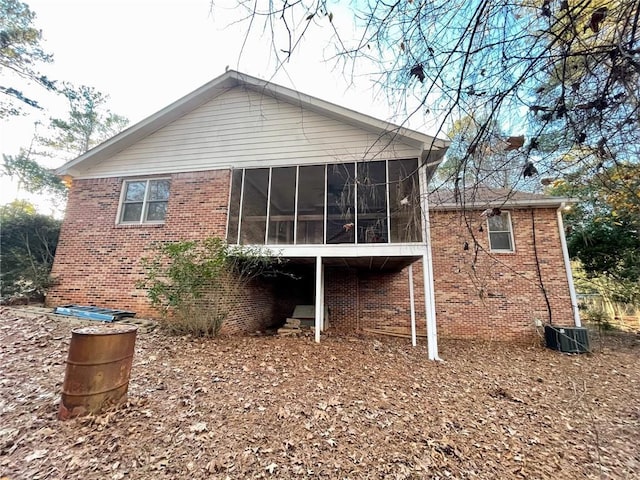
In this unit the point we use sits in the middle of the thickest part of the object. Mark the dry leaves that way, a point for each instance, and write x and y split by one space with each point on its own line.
351 407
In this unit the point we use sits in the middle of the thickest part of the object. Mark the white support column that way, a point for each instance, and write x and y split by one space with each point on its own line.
427 271
567 269
323 320
413 307
319 300
241 209
429 305
266 227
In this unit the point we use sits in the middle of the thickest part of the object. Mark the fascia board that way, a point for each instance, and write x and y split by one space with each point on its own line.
541 203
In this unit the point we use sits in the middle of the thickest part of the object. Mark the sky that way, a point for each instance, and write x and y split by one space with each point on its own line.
146 54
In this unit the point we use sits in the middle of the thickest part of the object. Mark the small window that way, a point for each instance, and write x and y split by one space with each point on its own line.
144 201
500 233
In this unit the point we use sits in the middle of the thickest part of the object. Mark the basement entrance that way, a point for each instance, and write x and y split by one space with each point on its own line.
327 283
381 283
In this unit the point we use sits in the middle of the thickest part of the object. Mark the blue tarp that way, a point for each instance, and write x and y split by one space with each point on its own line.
93 313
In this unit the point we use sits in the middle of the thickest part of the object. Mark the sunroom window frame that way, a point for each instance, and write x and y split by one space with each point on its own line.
145 202
296 234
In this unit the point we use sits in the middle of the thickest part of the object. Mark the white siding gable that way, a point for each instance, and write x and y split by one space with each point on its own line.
243 128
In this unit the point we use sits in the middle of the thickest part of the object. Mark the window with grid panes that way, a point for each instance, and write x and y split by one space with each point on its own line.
144 201
500 233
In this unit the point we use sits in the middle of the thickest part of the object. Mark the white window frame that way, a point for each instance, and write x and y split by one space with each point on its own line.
145 201
510 232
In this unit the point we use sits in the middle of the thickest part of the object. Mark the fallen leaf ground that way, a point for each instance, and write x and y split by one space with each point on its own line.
348 408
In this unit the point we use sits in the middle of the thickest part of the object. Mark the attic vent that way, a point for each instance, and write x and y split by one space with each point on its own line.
567 339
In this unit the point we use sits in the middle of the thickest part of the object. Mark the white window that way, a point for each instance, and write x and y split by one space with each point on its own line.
500 232
144 201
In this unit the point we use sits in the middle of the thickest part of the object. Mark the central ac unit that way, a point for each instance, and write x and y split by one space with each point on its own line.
567 339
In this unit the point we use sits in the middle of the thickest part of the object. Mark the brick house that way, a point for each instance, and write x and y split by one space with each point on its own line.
338 193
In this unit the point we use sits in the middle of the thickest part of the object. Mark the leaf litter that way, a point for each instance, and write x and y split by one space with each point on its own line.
350 407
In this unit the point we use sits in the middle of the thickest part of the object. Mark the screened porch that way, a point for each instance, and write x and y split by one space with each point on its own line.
374 202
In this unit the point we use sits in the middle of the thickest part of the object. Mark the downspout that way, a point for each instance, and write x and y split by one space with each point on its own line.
567 269
538 269
357 301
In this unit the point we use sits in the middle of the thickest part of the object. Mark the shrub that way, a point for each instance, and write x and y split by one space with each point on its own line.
193 282
28 243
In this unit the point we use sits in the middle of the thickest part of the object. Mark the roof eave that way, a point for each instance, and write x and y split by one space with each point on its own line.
551 202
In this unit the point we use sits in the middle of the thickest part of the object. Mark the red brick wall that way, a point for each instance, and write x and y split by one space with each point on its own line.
98 262
478 294
254 310
390 291
498 295
341 297
363 299
485 295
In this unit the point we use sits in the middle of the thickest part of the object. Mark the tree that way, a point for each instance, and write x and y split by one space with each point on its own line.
27 247
491 164
604 228
33 177
563 74
588 93
20 53
608 247
623 191
614 298
89 122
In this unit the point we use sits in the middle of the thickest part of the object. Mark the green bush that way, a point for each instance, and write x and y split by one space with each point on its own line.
195 283
28 243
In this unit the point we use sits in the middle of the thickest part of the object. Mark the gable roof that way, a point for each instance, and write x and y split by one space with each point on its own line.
232 79
479 198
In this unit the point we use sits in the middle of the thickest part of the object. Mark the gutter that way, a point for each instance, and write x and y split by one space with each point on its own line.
567 268
506 203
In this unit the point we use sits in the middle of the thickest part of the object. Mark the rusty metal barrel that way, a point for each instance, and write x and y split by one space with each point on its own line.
98 368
